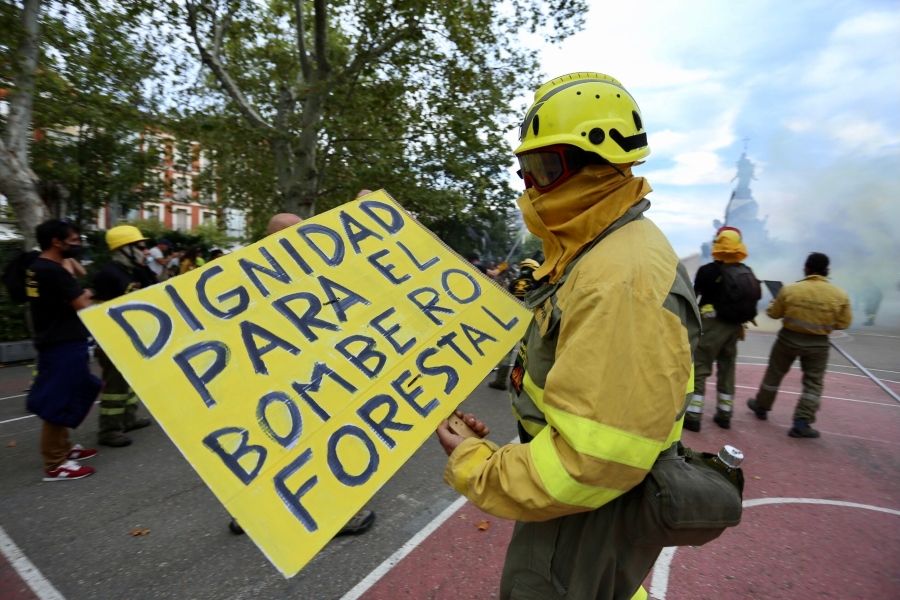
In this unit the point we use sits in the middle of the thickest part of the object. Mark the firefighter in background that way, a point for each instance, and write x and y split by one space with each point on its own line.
126 272
601 390
810 309
727 292
518 287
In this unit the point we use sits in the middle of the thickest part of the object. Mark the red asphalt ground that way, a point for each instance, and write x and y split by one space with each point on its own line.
779 551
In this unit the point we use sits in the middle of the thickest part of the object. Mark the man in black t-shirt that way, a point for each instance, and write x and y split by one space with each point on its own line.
64 389
127 271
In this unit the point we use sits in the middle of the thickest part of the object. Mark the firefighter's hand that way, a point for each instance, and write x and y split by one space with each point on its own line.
450 440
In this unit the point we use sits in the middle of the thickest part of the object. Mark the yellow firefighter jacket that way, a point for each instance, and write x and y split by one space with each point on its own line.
607 363
812 306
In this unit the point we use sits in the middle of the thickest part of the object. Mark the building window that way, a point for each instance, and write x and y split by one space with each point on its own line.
181 220
154 212
207 217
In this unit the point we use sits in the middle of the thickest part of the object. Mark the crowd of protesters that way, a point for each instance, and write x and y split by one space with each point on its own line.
649 336
57 286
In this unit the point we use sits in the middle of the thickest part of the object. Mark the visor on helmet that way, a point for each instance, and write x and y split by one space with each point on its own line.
548 167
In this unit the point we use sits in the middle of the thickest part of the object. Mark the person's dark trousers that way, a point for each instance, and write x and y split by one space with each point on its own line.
718 344
501 378
118 405
813 362
585 556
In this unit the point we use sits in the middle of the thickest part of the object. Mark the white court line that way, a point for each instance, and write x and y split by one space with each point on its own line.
391 561
795 367
658 589
31 416
381 570
11 397
766 358
891 404
17 419
884 335
39 584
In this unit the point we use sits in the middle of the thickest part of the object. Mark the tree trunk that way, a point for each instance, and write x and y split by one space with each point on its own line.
307 190
17 181
295 166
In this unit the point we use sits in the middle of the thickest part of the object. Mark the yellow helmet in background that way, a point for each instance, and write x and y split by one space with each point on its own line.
591 111
122 235
529 263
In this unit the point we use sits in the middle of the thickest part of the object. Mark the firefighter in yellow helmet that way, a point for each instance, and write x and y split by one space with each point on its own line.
518 287
727 293
601 381
125 272
525 282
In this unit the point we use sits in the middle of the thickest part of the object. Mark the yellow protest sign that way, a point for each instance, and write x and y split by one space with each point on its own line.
298 374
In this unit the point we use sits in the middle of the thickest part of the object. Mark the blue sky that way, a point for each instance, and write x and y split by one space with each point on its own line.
815 86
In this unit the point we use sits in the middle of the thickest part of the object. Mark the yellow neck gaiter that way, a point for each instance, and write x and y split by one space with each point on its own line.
728 250
571 216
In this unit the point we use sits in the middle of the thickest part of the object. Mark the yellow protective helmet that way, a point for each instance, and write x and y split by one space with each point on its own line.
529 263
591 111
122 235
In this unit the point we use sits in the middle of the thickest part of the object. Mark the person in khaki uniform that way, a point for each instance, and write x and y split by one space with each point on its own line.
810 309
601 380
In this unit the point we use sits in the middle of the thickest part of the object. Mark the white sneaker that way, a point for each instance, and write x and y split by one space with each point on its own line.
68 470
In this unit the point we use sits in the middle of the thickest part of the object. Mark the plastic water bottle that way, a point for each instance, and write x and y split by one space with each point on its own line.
728 462
730 458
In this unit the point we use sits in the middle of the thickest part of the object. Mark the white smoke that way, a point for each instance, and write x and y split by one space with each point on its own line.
851 212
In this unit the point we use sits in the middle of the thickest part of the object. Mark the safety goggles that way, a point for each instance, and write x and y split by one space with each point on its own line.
548 167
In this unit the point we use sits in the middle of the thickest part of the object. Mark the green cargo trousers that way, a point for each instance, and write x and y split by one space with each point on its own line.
118 402
813 362
718 344
586 556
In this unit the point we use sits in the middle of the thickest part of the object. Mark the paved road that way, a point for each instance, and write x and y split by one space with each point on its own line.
77 533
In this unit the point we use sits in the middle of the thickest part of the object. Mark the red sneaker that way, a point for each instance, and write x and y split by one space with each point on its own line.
79 452
68 470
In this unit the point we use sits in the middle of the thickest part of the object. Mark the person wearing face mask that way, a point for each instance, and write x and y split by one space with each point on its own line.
601 384
125 272
64 389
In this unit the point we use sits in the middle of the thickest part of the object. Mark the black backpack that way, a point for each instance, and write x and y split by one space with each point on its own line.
740 292
14 275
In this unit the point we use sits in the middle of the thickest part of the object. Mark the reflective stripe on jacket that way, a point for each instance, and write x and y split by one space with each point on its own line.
812 306
608 363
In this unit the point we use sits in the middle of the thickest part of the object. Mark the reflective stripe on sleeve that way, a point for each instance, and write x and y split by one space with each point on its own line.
594 439
675 434
560 485
603 441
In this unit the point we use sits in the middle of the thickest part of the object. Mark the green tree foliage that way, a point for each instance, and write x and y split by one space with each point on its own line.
90 105
411 95
93 106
